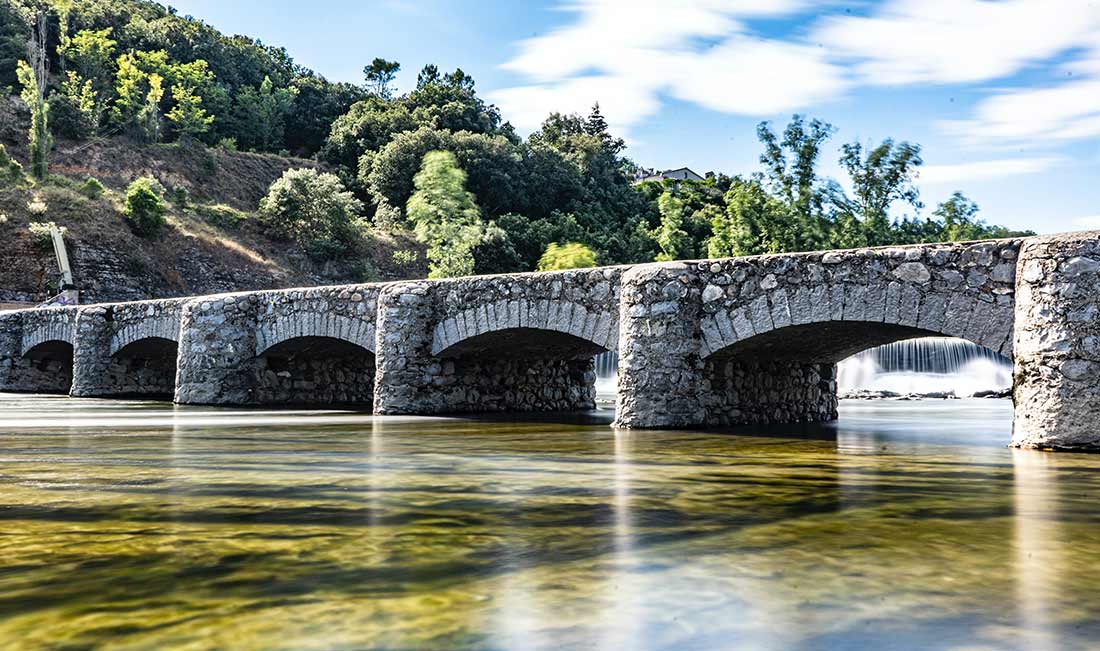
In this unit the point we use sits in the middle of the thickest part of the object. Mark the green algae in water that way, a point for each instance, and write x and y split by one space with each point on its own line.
908 526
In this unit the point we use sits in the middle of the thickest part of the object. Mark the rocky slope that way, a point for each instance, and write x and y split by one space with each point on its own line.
212 244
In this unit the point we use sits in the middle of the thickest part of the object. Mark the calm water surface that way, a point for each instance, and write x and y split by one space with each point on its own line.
130 525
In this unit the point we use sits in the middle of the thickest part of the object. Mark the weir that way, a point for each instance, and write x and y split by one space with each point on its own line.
695 343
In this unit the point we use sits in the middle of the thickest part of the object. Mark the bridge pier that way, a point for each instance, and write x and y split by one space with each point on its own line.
217 363
1056 386
661 374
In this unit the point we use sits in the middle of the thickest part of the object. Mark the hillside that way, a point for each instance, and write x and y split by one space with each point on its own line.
211 245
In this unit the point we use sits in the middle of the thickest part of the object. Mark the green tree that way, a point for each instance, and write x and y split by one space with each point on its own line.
444 216
312 209
670 235
75 107
885 175
33 76
380 74
260 116
130 93
149 115
91 53
144 207
754 222
571 255
790 174
188 115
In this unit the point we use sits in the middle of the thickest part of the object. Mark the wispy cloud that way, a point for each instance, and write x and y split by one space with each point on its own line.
630 54
625 54
985 170
1091 222
955 41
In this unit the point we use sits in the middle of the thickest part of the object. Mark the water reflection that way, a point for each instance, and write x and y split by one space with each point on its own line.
142 525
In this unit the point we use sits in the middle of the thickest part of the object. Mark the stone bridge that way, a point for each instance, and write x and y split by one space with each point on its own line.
701 343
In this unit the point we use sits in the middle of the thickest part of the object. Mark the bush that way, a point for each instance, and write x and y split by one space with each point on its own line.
227 144
91 188
573 255
37 206
312 209
363 271
144 207
405 257
10 169
222 216
179 196
40 234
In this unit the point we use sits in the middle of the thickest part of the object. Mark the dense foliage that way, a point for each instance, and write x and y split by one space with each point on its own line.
110 53
144 206
444 216
313 209
571 255
440 160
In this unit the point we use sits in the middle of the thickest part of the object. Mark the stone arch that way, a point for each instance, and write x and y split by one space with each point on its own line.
773 358
47 365
599 328
143 364
277 330
522 355
165 327
53 331
312 369
852 317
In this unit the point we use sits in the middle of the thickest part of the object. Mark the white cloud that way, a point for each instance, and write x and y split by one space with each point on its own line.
1092 222
985 170
1067 111
953 41
629 54
625 53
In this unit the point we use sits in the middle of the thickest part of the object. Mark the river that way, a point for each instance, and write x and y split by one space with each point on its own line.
906 525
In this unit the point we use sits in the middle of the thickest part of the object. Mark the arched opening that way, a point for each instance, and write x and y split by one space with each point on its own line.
144 368
519 369
48 367
789 374
316 371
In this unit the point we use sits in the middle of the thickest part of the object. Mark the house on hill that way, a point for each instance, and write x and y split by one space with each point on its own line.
678 174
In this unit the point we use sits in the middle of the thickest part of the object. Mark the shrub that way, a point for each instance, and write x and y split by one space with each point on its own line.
572 255
405 257
144 207
37 206
179 196
312 209
227 144
363 271
10 169
223 216
91 188
40 234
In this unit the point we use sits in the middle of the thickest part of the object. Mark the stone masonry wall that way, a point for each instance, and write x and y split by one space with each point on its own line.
47 335
343 380
779 392
424 326
221 359
1057 361
127 349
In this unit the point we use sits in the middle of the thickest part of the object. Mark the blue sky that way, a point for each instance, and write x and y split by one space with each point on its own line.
1004 96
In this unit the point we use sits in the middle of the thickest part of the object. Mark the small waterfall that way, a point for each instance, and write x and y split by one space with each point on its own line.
607 365
926 365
